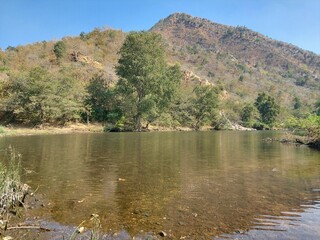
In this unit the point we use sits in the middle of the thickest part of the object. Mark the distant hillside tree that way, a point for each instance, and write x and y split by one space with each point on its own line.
267 107
59 49
146 83
317 108
297 103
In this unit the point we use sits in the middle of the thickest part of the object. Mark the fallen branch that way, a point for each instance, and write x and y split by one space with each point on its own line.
29 227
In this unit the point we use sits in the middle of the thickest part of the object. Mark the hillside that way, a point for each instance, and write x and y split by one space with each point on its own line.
85 55
241 61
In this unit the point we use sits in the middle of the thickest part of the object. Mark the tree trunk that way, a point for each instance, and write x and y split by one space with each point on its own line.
138 123
88 121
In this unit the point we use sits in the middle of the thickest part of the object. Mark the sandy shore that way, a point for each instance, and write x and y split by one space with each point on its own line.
16 130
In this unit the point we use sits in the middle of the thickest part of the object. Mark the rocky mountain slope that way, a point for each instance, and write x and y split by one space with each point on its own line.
243 61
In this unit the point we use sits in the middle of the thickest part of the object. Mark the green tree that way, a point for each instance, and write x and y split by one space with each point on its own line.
248 115
204 105
146 83
101 100
310 126
83 36
38 97
59 49
69 96
297 103
267 107
317 108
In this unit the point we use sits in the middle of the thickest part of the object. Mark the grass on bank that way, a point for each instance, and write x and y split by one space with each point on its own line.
2 130
308 127
12 191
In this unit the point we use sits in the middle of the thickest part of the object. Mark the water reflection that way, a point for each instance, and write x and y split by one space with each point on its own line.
187 184
301 223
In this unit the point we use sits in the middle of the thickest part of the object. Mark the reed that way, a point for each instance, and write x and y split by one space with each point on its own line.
12 191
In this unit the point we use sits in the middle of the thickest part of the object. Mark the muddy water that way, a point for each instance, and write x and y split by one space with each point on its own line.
191 185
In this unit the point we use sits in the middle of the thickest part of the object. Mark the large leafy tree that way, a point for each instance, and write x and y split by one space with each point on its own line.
146 83
98 97
248 115
204 105
267 107
101 100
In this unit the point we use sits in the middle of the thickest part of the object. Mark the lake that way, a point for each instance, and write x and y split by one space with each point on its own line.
190 185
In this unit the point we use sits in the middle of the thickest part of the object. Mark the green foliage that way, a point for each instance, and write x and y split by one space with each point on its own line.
210 74
101 100
241 67
120 125
145 79
301 81
249 115
204 105
59 49
311 125
181 110
228 33
38 97
317 108
192 49
268 108
166 119
3 69
10 48
297 103
83 36
2 130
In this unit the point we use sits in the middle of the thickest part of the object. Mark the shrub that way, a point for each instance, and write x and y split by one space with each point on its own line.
2 130
59 49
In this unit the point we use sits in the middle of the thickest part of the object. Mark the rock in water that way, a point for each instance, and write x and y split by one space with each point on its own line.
162 234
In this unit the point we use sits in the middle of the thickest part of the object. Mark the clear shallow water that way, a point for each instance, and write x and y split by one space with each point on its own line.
194 185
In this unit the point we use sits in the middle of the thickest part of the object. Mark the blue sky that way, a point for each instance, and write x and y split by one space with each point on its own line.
28 21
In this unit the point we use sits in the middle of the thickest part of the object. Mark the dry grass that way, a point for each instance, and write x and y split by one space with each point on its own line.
12 191
44 130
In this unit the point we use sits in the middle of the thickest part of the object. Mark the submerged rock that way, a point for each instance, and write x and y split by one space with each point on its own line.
162 234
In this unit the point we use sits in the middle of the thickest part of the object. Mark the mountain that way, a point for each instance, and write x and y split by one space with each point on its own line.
241 61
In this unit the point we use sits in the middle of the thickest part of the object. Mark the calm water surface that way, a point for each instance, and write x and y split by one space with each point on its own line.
191 185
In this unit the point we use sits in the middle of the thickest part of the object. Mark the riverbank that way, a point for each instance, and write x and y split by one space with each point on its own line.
290 138
18 130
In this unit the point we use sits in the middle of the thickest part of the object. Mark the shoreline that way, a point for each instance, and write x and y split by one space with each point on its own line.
18 130
21 130
290 138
